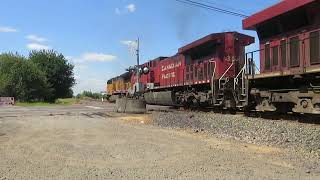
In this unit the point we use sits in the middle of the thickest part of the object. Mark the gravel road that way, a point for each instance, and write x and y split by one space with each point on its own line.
92 144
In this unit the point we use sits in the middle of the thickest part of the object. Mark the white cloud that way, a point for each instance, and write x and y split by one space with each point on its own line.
131 8
90 78
98 57
36 38
92 57
8 30
90 84
36 46
69 58
87 76
81 67
130 44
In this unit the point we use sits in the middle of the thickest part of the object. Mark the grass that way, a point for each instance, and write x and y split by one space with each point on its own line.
68 101
27 104
64 102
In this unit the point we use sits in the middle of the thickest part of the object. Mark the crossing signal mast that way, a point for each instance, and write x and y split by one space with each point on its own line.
138 70
138 63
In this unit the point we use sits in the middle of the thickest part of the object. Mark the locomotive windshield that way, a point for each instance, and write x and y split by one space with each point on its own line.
204 52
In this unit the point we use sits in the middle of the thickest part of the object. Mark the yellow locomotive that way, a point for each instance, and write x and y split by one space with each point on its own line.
118 86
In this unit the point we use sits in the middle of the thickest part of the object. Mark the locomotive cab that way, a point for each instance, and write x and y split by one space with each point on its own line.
215 62
215 53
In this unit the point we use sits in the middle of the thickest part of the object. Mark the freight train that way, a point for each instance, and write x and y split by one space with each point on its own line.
215 71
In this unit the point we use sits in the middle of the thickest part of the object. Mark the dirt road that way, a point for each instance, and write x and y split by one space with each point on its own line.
91 144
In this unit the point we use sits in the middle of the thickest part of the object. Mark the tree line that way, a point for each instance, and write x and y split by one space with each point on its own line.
92 95
44 75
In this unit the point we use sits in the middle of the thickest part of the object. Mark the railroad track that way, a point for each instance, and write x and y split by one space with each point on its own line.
300 118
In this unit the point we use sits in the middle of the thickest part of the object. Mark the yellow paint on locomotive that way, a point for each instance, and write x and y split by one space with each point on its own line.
110 89
118 86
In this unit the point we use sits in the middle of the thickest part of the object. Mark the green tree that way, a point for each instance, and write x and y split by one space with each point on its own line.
22 79
58 71
90 94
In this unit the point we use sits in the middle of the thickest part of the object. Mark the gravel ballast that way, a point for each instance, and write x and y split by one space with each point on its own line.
281 133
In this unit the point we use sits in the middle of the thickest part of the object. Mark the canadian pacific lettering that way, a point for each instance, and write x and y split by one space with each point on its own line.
171 66
168 75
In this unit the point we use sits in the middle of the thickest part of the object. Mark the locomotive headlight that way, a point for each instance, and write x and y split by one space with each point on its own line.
146 70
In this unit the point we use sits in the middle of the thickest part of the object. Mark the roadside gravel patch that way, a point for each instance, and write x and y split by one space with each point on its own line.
281 133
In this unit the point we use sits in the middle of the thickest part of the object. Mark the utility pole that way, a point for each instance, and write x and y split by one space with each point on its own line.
138 63
138 51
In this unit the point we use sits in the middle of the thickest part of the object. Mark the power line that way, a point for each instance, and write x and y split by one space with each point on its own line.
214 8
224 6
205 6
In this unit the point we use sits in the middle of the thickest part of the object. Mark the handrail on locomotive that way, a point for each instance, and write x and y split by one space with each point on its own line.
224 74
213 75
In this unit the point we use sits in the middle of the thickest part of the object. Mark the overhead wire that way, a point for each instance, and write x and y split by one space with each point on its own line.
213 8
223 6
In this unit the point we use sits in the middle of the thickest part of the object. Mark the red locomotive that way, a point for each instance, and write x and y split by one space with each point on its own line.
216 71
198 72
289 57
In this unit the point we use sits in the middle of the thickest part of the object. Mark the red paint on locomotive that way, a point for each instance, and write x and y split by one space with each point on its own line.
196 62
289 34
285 31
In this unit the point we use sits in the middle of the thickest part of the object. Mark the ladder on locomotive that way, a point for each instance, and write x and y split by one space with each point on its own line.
240 87
241 82
222 86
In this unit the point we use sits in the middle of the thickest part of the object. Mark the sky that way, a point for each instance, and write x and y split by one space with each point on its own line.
98 36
